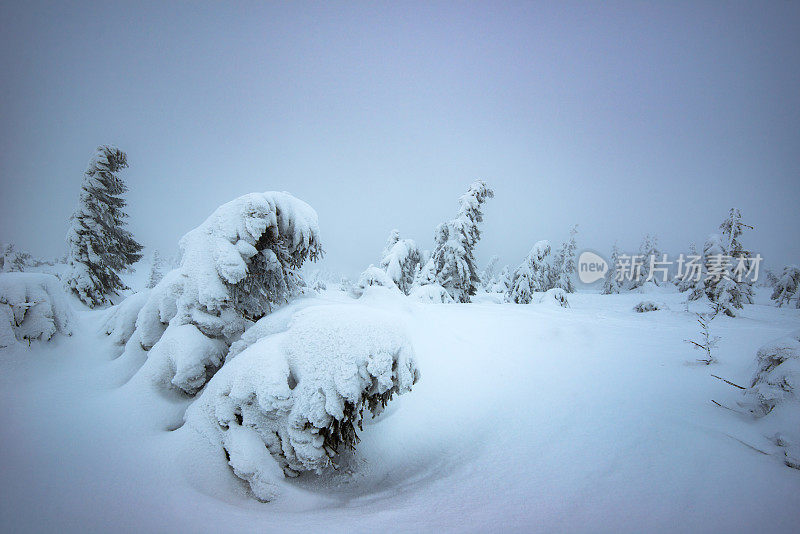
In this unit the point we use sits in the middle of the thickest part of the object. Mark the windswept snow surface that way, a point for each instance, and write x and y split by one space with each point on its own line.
534 418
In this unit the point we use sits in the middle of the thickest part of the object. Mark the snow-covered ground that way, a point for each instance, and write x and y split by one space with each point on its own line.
526 418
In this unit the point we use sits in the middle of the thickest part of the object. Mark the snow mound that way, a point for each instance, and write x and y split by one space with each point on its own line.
238 265
773 392
119 321
555 297
32 306
649 306
291 401
431 293
372 276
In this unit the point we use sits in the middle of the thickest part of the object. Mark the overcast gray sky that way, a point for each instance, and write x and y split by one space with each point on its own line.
625 118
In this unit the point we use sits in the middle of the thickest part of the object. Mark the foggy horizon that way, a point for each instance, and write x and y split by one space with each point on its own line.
625 119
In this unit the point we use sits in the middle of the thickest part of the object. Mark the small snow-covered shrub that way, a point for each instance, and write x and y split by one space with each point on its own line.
649 306
774 395
431 293
372 276
778 376
235 268
291 401
556 296
32 306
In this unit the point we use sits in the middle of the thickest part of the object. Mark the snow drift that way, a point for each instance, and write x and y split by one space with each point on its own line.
32 306
289 402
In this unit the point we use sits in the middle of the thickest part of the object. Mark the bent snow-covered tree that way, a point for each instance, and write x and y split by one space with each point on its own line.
455 240
99 245
400 260
235 267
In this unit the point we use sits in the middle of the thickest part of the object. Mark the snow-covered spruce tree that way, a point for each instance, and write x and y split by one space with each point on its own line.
99 246
502 282
564 264
490 272
689 279
650 254
156 270
452 257
721 254
532 275
400 260
612 282
732 229
717 286
786 287
238 265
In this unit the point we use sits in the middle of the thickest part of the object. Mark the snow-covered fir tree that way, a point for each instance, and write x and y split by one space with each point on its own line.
532 275
786 288
721 255
489 272
564 264
452 257
732 229
717 285
690 275
650 255
612 282
400 260
502 282
156 270
99 246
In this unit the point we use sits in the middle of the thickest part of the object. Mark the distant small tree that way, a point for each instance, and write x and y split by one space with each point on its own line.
650 255
99 246
612 283
156 270
532 275
489 272
564 264
690 277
